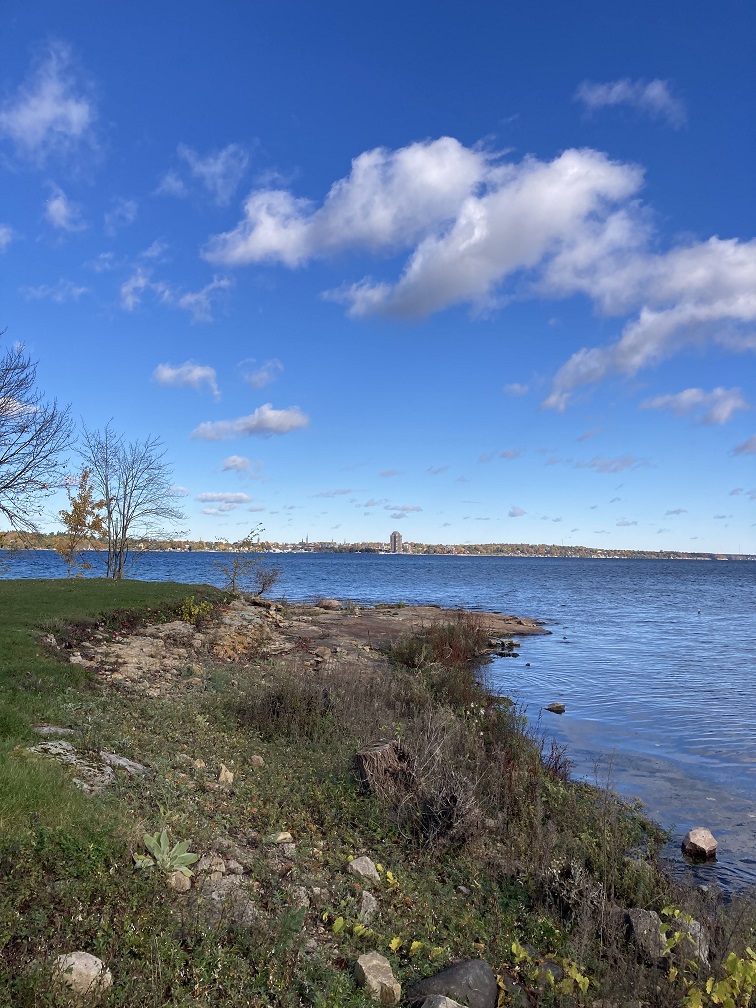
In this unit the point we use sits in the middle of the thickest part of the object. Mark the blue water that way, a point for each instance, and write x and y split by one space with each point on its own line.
654 659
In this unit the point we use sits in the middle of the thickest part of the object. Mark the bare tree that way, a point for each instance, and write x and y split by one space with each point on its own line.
33 434
134 481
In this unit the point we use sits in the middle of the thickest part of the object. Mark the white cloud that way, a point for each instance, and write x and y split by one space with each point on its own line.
122 213
589 434
654 98
747 447
716 407
265 374
187 375
62 291
623 523
510 453
478 229
178 491
61 213
389 199
198 303
6 236
236 463
401 508
516 512
676 511
695 294
388 473
50 114
516 389
262 423
172 185
341 492
435 470
219 171
224 498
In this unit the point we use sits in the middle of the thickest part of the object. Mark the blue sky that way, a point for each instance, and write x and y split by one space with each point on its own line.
480 273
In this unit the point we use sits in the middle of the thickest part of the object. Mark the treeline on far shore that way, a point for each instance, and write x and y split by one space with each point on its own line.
52 540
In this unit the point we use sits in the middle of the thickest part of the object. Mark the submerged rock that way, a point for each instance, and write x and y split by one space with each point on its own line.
556 708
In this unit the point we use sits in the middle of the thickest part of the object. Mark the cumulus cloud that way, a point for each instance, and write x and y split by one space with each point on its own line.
220 171
516 389
653 98
223 498
264 422
516 512
6 236
62 291
187 375
693 295
178 491
61 213
478 229
264 374
715 407
747 447
50 115
612 465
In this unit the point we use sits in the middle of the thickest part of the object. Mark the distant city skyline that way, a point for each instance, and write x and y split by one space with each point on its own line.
480 274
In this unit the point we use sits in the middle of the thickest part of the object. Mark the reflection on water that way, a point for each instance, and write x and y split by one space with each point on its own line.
654 660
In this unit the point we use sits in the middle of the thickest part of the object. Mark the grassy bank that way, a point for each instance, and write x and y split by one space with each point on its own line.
485 847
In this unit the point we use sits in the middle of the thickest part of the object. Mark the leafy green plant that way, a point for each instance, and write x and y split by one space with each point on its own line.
193 611
168 859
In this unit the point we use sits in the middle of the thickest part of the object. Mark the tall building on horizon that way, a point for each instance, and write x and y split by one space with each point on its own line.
396 542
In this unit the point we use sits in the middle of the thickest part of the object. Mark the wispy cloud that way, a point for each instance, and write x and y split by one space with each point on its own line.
652 98
516 389
6 236
340 492
64 290
199 303
510 453
404 508
171 184
242 465
715 407
747 447
612 465
187 375
50 115
263 375
676 511
516 512
264 422
219 171
122 213
589 434
624 523
61 213
436 470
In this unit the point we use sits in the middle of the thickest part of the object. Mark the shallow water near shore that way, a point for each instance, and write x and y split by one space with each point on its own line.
654 660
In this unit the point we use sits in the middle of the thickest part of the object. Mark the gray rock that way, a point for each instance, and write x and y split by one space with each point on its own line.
694 943
373 972
90 776
364 868
329 603
368 907
82 973
471 983
556 708
51 729
699 843
645 930
224 903
130 766
517 996
300 898
440 1001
